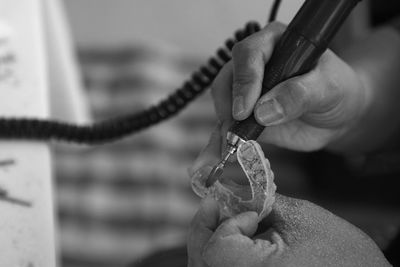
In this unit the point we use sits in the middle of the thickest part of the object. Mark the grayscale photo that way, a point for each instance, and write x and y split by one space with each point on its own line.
214 133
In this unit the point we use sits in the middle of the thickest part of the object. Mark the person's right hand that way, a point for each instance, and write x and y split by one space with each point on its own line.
304 113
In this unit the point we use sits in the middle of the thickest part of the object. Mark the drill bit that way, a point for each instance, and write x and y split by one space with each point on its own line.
233 142
217 171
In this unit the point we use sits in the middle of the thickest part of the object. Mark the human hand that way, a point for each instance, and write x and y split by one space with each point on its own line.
296 233
304 113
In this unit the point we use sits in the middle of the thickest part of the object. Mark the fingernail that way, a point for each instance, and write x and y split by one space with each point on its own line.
198 164
202 173
269 112
199 180
238 106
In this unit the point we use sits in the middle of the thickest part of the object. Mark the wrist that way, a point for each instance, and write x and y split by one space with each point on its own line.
350 138
376 60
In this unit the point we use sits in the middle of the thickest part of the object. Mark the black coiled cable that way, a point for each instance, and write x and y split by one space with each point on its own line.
116 128
274 10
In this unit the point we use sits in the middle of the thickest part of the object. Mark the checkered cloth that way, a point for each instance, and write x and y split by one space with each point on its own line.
122 201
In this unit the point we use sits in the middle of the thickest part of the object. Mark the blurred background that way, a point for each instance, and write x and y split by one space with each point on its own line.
123 202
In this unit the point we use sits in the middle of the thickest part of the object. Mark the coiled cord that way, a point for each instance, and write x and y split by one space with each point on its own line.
116 128
274 10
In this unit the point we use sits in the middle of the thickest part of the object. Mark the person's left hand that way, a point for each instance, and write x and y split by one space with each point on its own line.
296 233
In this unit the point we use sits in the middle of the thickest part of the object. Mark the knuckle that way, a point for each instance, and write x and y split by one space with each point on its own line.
228 224
241 83
272 30
224 225
326 58
244 78
332 92
246 53
242 48
276 26
333 80
334 87
248 50
248 64
296 90
301 90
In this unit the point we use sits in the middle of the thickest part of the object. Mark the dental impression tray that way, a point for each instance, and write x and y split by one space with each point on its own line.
258 195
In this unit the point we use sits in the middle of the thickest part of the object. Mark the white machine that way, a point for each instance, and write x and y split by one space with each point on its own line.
35 55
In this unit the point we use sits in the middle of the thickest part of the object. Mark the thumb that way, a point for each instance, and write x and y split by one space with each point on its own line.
314 92
286 102
232 245
243 224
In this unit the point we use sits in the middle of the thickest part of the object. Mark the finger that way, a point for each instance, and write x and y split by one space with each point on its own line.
314 92
274 238
221 249
238 250
243 224
249 59
211 154
221 91
201 229
232 245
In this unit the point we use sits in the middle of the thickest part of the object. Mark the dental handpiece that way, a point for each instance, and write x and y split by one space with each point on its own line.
305 39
